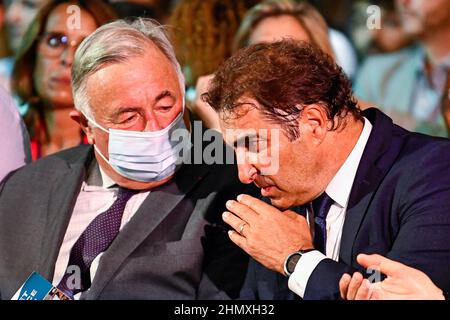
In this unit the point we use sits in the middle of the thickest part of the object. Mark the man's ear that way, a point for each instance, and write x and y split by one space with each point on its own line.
79 118
314 119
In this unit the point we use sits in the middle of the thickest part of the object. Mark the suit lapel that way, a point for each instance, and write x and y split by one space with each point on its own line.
159 203
63 195
379 154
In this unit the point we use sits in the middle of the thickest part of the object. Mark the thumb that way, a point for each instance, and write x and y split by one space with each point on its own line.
383 264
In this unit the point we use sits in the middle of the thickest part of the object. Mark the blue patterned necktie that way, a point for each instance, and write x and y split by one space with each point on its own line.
321 206
95 239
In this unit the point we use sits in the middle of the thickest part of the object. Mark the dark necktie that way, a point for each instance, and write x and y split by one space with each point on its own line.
95 239
321 206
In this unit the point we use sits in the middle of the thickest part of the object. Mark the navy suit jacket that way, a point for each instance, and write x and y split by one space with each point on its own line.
399 207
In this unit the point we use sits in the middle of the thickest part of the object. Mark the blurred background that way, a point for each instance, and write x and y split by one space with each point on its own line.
396 53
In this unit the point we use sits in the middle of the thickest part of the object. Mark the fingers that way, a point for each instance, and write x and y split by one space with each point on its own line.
237 239
235 222
375 261
354 285
258 206
343 285
241 210
364 291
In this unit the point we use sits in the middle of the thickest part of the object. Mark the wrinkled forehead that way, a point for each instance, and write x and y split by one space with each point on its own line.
138 81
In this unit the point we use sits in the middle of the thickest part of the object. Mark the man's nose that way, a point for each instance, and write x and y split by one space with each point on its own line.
152 123
247 173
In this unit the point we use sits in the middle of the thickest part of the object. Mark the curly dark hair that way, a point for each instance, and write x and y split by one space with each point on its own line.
203 33
283 77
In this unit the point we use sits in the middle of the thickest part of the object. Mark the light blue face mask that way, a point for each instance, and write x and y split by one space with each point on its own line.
147 156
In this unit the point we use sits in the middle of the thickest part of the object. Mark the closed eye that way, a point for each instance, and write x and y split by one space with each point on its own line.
164 108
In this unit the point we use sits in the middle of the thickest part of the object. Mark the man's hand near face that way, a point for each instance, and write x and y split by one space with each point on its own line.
266 233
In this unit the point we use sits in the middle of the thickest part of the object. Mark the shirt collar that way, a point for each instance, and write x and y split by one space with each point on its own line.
107 182
97 179
341 185
420 57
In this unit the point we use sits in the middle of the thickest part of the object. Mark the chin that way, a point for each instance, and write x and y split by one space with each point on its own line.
138 185
280 203
128 183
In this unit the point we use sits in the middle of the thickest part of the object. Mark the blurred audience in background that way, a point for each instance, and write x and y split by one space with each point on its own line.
15 146
391 36
203 32
412 85
18 16
297 19
41 76
3 47
155 9
269 21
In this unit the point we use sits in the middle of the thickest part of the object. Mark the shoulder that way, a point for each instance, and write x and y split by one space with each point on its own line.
379 64
49 167
422 166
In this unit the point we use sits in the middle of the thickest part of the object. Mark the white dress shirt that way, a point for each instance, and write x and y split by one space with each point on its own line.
92 201
339 190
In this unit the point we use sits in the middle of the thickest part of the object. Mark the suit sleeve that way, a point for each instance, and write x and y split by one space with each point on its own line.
421 218
225 264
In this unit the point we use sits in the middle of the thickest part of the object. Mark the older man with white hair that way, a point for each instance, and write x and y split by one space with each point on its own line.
124 217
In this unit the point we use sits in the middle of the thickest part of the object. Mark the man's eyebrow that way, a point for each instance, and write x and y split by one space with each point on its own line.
165 93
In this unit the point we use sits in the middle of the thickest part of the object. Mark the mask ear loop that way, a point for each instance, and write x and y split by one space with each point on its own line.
94 123
101 128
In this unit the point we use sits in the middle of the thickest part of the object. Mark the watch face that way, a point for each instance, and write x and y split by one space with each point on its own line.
292 262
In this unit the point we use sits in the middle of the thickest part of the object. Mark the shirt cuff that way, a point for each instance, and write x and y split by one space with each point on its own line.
303 270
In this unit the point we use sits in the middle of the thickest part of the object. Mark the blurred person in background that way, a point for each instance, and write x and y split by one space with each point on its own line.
18 16
155 9
274 19
15 146
391 36
202 33
41 76
4 74
269 21
412 85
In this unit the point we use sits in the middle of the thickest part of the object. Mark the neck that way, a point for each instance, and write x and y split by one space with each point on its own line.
341 143
437 43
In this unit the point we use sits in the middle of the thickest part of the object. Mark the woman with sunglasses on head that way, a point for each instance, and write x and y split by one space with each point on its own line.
42 73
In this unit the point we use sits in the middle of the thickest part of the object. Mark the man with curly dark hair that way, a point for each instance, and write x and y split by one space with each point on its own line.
357 182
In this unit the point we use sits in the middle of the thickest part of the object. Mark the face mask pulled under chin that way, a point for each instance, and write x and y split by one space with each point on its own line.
147 156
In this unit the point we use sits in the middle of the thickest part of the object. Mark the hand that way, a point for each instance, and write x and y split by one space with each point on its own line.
355 287
402 282
266 233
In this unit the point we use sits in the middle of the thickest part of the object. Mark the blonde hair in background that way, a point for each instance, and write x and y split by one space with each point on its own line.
310 19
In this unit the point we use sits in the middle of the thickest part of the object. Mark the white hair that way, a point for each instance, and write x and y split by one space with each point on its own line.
117 42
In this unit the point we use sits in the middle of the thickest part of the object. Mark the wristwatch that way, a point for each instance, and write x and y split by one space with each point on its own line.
292 260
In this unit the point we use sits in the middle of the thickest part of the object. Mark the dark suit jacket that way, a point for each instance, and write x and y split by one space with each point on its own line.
399 207
175 246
